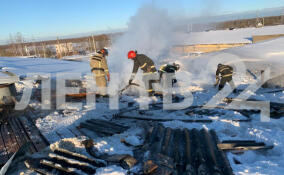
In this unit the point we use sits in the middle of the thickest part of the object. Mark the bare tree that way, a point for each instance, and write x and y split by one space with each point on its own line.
19 41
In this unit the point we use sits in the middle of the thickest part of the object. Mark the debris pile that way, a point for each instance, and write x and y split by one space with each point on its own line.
164 151
64 161
175 151
17 131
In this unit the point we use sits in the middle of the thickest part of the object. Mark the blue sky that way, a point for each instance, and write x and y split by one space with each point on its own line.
44 18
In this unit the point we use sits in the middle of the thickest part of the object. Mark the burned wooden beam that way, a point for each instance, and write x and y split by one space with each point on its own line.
103 127
163 119
166 141
96 130
22 133
71 163
58 167
188 154
34 165
3 152
148 130
79 157
113 129
109 124
220 155
39 141
14 133
18 135
191 152
211 153
242 145
10 145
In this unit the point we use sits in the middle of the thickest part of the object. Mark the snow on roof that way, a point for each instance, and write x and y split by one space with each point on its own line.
271 50
21 66
243 35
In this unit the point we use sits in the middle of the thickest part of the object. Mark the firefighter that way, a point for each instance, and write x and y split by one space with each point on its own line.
226 73
99 68
147 66
169 68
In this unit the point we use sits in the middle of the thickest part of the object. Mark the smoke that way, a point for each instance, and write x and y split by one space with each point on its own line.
149 32
152 31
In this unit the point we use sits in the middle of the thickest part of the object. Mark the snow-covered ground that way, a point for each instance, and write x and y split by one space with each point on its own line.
243 35
22 66
196 77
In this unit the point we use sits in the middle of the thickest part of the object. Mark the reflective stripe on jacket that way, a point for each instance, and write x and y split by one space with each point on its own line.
144 63
225 71
98 64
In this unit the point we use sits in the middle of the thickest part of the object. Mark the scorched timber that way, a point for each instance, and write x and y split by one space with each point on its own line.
176 151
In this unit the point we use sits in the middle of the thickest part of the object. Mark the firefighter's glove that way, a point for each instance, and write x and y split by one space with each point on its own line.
108 77
217 81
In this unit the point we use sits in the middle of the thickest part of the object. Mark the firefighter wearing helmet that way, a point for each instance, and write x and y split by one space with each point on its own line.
146 65
99 68
226 73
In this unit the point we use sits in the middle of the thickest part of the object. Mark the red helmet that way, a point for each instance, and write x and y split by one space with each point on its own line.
131 54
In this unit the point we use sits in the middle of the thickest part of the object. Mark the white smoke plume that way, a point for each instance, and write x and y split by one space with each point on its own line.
149 32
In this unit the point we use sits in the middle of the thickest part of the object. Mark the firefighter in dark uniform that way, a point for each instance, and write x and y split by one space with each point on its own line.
226 73
146 65
169 68
99 69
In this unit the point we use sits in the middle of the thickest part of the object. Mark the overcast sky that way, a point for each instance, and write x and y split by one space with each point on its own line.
44 18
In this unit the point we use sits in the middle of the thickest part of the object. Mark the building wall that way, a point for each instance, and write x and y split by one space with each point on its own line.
260 38
204 48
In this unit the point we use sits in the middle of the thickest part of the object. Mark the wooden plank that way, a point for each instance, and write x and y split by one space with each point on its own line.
188 153
257 146
75 132
108 123
148 131
7 141
79 157
19 139
85 132
156 145
164 120
58 167
65 133
177 137
21 134
236 144
166 141
3 152
211 152
96 130
188 147
15 146
34 165
221 156
71 163
33 133
110 129
153 135
239 141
